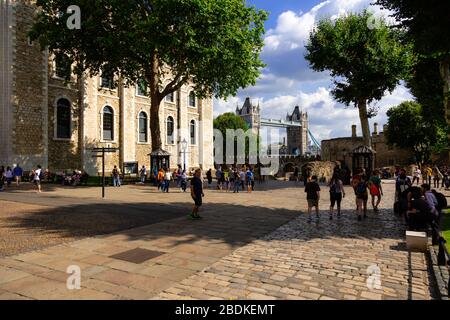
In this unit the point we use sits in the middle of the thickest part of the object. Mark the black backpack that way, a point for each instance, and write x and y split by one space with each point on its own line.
441 199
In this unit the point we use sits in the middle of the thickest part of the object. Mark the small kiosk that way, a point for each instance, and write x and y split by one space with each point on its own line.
159 159
363 157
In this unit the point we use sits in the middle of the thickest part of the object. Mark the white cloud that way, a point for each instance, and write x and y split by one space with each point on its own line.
327 117
288 81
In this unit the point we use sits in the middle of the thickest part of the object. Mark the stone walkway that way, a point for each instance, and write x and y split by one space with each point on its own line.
248 246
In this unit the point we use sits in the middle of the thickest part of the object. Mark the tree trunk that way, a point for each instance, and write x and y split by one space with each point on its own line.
155 98
444 68
362 107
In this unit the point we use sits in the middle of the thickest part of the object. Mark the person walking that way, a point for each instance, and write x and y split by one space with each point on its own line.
219 177
8 176
37 175
337 193
196 194
116 176
183 183
429 175
242 178
312 190
437 177
160 179
376 191
416 175
167 178
17 173
143 174
209 177
237 181
359 184
249 176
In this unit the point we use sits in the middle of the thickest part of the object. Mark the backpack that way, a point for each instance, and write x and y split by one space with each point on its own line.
333 188
361 188
441 199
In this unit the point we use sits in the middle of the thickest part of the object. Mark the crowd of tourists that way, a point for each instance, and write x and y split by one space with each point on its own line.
420 205
362 185
234 178
14 174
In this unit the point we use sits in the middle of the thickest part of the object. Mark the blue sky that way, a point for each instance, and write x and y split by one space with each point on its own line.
288 81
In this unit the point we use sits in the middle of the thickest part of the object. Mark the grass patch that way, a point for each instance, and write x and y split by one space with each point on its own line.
446 228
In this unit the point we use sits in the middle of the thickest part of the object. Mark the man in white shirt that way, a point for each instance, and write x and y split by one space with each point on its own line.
167 178
416 175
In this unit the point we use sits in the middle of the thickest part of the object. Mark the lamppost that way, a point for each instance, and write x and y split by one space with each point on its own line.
184 148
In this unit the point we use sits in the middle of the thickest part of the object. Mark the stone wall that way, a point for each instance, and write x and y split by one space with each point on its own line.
29 93
321 169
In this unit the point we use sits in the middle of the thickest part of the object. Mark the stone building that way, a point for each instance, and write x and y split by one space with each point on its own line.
340 149
251 114
52 122
297 137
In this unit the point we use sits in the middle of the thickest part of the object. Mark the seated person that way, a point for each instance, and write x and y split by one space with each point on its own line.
419 213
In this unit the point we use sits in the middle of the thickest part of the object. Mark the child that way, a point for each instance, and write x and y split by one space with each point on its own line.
312 190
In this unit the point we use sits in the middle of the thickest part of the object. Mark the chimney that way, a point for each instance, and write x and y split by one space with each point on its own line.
375 129
354 131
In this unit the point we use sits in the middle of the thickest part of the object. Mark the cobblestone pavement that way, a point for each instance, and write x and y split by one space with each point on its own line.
248 246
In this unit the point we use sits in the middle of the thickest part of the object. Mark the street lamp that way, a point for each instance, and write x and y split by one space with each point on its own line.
184 148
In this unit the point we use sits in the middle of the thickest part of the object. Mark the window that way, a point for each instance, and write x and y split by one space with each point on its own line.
62 67
108 123
170 97
170 138
142 89
107 80
192 99
143 127
63 119
192 131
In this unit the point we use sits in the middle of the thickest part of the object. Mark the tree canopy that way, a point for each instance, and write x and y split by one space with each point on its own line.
212 44
408 128
365 62
427 26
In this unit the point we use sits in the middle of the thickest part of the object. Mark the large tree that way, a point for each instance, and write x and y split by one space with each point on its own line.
232 121
427 25
215 44
409 129
365 62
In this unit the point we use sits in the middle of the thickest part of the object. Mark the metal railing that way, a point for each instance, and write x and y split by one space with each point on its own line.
443 257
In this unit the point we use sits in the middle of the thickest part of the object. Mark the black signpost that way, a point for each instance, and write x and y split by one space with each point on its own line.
102 155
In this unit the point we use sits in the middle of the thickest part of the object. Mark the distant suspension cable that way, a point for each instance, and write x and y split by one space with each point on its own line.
314 140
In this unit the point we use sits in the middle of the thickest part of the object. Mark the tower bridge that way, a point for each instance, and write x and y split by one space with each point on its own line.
296 125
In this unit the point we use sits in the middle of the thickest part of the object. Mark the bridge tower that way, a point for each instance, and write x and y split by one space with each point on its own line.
251 114
297 137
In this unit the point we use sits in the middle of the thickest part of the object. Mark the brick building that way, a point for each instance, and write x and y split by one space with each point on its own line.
52 122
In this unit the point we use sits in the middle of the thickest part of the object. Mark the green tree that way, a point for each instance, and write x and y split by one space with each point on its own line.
213 43
365 62
427 25
232 121
407 128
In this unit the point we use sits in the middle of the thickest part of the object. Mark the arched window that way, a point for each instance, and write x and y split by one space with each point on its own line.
63 119
108 123
143 127
170 137
192 99
192 131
